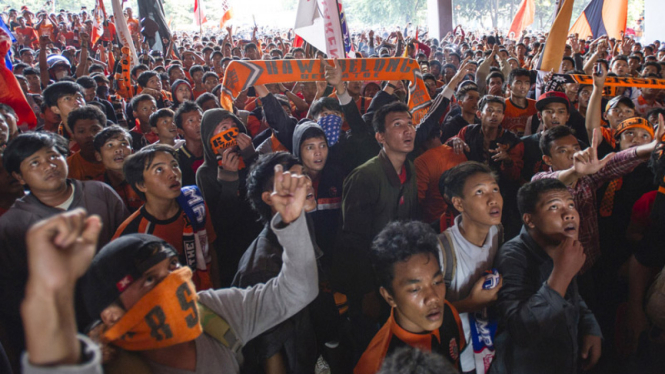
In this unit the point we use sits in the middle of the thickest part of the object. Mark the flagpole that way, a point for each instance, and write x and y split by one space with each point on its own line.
200 21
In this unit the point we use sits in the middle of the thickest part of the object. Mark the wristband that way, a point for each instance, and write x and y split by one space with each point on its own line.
392 86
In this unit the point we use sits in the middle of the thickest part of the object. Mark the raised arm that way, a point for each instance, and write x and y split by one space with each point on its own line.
593 111
252 311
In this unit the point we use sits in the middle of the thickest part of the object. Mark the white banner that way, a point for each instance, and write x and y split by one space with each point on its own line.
319 24
123 32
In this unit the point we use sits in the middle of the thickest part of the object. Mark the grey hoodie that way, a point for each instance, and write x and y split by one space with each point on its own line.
299 132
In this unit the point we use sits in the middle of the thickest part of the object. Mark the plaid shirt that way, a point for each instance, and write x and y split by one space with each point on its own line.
584 194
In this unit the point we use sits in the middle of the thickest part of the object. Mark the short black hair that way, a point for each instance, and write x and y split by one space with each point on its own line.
491 99
161 113
397 242
519 72
86 112
529 194
33 71
26 144
324 103
144 77
86 82
55 91
107 133
260 180
549 136
429 76
137 68
411 360
185 107
140 161
210 74
248 46
379 121
194 69
205 97
137 99
455 178
650 63
495 74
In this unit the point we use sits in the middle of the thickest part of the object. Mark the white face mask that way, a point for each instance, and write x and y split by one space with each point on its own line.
61 74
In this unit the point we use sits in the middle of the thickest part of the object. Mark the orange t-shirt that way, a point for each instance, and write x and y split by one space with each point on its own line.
83 170
429 167
171 231
515 118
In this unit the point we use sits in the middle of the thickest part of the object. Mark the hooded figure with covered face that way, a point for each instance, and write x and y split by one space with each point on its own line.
221 180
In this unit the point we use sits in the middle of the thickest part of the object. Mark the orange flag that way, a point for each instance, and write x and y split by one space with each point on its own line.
556 41
523 18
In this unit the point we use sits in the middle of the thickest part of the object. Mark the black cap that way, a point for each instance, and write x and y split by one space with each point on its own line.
617 100
117 265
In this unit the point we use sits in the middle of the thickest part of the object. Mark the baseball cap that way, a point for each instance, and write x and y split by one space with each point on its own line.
552 97
617 100
635 122
117 265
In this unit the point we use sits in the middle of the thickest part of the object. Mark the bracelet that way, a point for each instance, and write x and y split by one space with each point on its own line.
286 91
392 86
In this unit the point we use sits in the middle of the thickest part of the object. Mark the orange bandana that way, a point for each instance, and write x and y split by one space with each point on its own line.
240 75
165 316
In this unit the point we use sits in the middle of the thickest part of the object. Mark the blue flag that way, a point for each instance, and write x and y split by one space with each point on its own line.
8 58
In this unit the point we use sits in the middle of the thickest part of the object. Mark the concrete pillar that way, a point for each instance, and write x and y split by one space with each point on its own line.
653 22
440 18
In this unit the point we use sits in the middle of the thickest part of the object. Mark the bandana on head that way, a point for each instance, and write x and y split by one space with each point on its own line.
331 125
635 122
165 316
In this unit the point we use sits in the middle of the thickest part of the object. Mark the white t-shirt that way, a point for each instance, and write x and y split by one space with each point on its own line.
472 261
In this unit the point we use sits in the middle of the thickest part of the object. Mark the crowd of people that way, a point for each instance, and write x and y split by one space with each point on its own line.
317 227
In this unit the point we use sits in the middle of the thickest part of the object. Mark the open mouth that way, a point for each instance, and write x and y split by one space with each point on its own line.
175 185
570 228
435 315
119 158
495 212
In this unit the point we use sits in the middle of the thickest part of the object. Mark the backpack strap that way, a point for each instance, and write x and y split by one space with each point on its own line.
449 258
217 327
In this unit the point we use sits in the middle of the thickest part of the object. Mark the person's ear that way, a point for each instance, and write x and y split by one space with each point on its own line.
387 297
266 197
55 109
181 132
112 314
141 187
98 157
135 113
154 130
547 160
457 203
478 114
379 136
18 177
527 218
540 117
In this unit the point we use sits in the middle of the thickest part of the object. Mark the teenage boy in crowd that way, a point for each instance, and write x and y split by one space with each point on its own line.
142 107
63 98
222 179
473 242
162 124
467 97
405 258
190 155
171 213
151 84
546 327
490 144
553 110
37 161
291 346
151 276
85 122
519 109
112 146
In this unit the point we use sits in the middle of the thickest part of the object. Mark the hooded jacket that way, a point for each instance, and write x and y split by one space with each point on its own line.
233 219
174 87
328 191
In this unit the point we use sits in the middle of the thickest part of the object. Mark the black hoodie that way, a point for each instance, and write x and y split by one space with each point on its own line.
235 222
